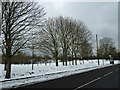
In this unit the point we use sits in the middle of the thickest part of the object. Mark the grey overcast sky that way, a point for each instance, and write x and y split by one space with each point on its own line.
100 17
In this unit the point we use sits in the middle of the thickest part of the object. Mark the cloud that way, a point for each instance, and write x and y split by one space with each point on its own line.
100 17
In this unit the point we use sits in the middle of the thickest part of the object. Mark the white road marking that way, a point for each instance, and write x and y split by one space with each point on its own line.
88 83
108 73
95 80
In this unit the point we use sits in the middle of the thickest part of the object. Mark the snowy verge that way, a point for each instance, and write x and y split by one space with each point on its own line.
22 81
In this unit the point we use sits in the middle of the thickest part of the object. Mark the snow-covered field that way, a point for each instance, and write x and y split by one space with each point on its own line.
23 74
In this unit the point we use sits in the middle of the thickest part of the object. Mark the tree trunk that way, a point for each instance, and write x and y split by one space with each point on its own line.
65 56
72 62
56 57
63 62
8 67
8 56
32 65
72 59
75 59
5 64
66 62
56 62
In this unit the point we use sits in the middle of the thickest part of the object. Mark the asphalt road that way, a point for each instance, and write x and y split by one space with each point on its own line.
108 77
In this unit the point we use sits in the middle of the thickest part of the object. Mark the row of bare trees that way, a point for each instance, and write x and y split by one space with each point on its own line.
64 37
24 27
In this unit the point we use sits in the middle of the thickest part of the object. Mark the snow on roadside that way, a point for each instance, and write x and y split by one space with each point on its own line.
43 73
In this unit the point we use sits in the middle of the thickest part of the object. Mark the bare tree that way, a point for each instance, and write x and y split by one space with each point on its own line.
50 44
106 48
65 29
31 45
18 18
81 41
86 43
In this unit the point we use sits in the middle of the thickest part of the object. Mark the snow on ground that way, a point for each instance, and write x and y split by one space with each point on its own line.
24 75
